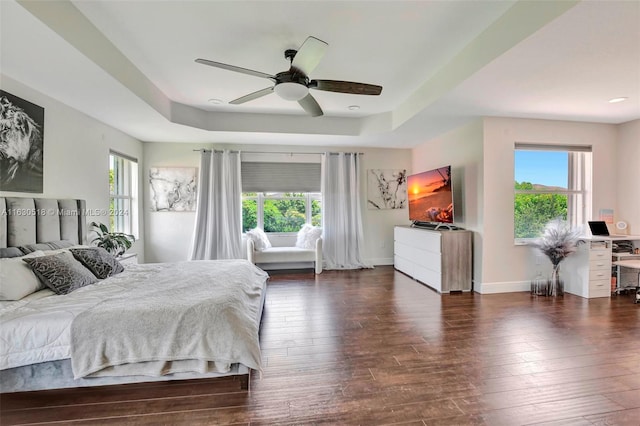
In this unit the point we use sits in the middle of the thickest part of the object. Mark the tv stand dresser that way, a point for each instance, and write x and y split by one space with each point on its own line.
441 259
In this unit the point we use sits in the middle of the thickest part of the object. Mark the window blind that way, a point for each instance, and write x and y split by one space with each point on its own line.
542 147
280 177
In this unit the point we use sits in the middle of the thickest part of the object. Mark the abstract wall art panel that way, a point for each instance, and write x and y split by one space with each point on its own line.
386 189
173 189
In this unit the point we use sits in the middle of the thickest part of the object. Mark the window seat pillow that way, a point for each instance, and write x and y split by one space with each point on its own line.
259 238
307 237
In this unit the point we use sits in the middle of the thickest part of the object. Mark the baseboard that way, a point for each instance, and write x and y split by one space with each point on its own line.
502 287
381 261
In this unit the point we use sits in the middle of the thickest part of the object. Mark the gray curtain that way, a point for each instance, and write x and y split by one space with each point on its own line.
218 228
343 245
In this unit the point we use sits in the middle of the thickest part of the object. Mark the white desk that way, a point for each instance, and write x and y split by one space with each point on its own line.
623 237
587 272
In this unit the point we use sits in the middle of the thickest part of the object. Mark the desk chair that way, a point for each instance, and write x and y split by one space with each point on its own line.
631 264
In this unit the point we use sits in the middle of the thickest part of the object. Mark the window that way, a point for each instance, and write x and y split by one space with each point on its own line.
280 211
550 182
280 197
123 190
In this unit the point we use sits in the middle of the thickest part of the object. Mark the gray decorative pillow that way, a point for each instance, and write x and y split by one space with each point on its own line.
50 245
7 252
61 272
99 261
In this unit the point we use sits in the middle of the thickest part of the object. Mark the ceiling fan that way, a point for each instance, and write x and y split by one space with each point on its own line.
294 84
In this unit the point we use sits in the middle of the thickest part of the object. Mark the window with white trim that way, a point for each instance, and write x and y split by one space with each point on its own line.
280 197
123 194
550 182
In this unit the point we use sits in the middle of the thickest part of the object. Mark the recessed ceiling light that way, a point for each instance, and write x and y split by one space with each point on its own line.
616 100
215 101
354 107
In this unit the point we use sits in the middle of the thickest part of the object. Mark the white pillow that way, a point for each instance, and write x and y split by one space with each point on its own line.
259 238
17 280
307 237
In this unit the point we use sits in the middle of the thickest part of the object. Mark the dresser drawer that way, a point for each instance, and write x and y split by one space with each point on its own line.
599 254
599 285
600 264
600 288
600 274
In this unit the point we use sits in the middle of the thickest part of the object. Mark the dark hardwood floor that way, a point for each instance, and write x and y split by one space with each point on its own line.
374 347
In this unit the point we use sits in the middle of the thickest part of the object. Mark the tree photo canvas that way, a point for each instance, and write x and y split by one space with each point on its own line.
21 144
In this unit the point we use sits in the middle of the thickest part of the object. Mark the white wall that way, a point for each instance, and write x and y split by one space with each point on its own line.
169 234
462 149
628 176
76 154
481 155
506 266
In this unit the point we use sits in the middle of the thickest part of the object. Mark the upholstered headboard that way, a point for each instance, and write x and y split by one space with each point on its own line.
39 220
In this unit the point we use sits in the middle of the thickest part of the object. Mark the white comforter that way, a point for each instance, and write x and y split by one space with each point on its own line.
37 328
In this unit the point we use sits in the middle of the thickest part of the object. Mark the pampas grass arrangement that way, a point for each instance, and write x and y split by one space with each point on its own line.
557 242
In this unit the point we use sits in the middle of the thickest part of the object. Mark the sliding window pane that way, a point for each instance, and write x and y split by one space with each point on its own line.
316 212
249 214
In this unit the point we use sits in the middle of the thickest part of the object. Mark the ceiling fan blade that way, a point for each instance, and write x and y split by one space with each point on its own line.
345 87
309 104
309 55
252 96
234 68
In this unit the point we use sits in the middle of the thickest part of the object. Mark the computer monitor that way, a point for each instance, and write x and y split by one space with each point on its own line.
598 227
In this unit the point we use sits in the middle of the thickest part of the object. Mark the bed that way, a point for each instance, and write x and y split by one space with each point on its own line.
151 322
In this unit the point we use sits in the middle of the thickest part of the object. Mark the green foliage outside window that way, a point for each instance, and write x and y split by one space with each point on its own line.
284 213
112 207
249 214
316 213
533 211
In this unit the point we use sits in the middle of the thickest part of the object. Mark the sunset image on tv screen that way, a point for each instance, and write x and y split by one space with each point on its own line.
430 196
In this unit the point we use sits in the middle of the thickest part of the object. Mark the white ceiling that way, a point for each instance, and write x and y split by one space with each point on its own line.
131 65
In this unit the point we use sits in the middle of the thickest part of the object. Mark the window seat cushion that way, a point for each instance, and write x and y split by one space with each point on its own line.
284 254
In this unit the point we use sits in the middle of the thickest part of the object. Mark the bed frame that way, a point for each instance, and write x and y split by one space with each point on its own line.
26 221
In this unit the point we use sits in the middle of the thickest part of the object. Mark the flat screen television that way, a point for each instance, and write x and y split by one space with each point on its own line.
430 197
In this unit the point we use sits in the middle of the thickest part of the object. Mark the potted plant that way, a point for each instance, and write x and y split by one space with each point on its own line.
115 243
557 241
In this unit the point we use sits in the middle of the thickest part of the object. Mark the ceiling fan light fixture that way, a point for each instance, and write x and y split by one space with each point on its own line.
353 107
616 100
215 101
291 91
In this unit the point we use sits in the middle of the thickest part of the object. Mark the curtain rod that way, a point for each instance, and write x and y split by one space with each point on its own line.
275 152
